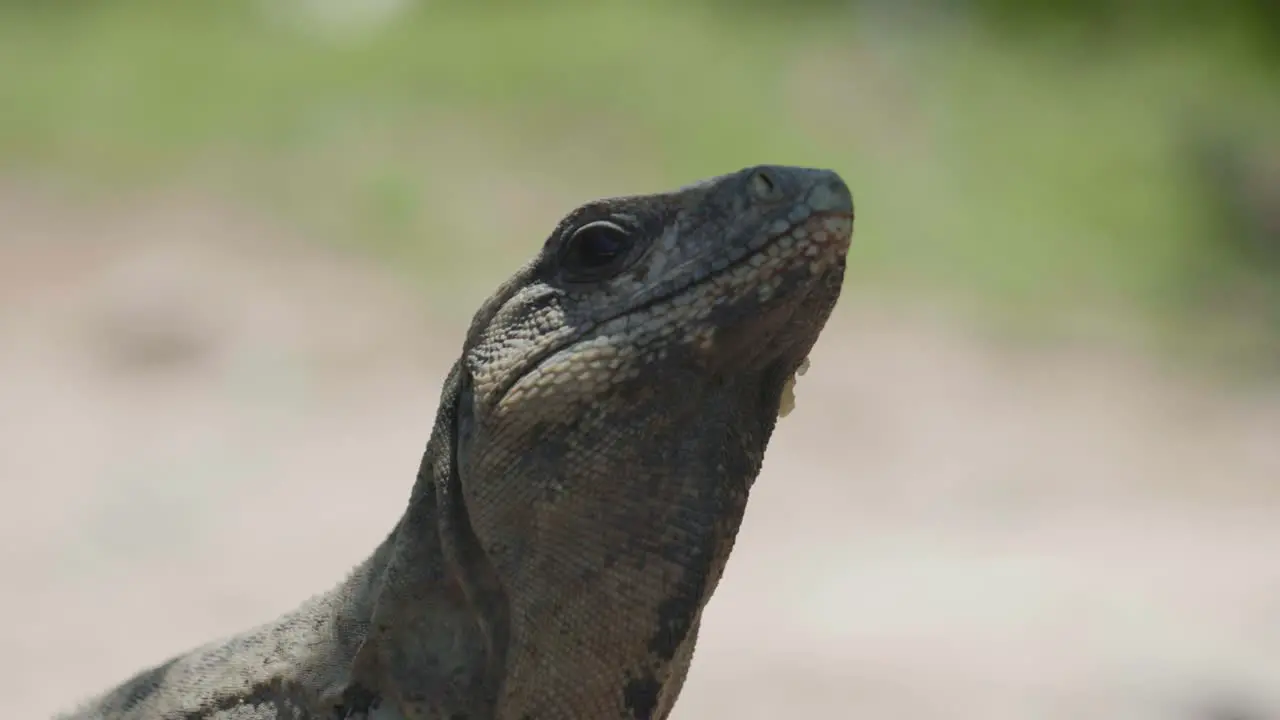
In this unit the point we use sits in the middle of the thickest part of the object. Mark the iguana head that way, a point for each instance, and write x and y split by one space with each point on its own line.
617 396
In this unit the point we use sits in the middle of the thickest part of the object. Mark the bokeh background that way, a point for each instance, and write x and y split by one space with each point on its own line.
1033 473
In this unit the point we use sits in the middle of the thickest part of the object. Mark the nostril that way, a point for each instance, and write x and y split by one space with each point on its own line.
764 186
831 196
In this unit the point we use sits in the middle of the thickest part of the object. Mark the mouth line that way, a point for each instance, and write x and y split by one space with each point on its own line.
771 240
738 262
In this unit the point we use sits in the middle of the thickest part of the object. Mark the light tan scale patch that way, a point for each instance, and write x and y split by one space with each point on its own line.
789 390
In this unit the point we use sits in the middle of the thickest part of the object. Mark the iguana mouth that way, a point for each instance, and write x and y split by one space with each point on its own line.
762 250
828 241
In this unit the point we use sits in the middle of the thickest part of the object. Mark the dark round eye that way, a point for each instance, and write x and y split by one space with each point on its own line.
594 247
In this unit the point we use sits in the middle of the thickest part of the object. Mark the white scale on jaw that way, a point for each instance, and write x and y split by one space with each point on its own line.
789 390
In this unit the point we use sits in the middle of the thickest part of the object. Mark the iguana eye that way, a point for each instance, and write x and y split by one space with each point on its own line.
595 248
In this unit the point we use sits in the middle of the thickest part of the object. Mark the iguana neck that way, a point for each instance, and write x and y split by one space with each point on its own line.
436 630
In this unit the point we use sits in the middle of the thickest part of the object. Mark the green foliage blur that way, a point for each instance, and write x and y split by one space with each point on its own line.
1039 157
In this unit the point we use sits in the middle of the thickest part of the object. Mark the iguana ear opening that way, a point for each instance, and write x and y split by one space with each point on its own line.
463 417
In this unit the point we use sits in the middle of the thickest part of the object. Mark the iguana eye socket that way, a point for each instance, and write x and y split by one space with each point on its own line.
594 249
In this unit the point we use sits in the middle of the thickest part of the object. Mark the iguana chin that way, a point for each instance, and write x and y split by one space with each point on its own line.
588 470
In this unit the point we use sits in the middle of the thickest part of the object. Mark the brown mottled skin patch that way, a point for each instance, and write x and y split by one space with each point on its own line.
588 470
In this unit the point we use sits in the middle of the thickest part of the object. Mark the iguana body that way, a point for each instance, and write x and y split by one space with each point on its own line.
585 479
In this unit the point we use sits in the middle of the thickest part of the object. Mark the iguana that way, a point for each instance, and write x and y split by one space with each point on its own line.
584 481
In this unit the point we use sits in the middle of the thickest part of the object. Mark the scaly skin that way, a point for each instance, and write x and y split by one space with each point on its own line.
580 494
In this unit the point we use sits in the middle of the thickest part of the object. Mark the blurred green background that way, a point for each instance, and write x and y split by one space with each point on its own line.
1038 161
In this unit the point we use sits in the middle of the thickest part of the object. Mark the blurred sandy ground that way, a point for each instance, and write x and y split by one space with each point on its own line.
208 420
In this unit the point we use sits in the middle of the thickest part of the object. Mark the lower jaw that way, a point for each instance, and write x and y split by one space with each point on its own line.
775 345
776 336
